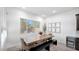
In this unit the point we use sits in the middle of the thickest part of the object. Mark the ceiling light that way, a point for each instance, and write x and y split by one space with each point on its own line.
23 7
54 11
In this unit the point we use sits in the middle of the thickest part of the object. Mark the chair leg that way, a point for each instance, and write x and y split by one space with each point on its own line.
48 48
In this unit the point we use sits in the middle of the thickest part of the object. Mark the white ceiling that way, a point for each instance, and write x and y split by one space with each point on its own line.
47 11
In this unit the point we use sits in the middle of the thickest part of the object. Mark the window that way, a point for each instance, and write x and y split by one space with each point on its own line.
54 27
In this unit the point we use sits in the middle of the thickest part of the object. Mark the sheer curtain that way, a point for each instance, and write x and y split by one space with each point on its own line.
3 37
3 30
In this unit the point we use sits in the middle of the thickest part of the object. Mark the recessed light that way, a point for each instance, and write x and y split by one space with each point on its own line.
54 11
23 7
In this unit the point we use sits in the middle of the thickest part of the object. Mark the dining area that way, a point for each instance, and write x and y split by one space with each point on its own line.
37 43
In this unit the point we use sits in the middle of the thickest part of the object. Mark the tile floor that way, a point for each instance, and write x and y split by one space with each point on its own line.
59 47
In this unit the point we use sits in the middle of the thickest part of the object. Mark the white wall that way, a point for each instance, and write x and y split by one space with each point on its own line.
13 16
68 24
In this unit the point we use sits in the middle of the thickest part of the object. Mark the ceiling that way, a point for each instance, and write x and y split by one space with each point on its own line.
47 11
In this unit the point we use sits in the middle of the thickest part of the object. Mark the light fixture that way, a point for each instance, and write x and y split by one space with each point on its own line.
54 11
23 7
